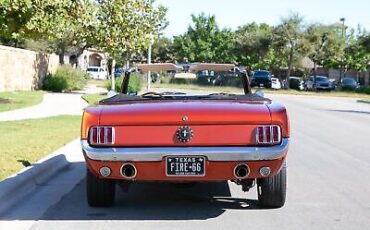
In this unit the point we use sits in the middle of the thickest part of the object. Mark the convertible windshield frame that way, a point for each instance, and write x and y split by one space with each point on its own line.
124 98
157 67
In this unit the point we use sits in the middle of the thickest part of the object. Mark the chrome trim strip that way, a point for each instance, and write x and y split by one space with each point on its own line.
113 135
250 153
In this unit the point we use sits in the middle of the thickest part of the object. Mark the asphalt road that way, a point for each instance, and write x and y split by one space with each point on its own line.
328 185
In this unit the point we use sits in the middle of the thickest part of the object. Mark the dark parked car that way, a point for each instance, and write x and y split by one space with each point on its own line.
296 83
322 83
261 78
349 84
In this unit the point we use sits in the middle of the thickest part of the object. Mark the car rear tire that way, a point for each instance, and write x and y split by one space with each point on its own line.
272 190
100 192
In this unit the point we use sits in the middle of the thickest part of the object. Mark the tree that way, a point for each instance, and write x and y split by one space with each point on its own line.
204 42
253 45
364 41
14 16
162 50
127 26
357 55
287 35
115 26
323 45
61 23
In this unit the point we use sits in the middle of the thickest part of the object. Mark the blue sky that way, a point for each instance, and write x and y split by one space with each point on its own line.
233 13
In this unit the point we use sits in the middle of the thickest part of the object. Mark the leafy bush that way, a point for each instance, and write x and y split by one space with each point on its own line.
365 90
65 78
135 83
202 80
117 84
165 79
235 81
54 83
179 81
133 86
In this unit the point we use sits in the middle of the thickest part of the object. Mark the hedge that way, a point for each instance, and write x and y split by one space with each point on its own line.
134 85
66 78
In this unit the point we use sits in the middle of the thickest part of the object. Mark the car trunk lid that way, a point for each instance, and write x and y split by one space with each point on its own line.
213 123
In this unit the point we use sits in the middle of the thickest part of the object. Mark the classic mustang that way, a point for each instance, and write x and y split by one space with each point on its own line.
182 138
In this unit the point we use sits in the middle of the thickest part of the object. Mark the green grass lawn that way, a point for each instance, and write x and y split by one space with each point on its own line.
24 142
268 91
93 98
19 99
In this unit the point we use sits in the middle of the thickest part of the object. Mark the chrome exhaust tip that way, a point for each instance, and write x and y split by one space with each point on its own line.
241 171
128 171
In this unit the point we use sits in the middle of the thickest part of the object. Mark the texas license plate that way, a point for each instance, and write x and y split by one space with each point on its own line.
185 166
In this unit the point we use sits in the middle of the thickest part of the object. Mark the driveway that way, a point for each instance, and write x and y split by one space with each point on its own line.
53 104
328 188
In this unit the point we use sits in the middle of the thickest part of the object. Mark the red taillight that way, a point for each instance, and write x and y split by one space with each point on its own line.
101 135
109 135
268 134
259 134
276 134
94 135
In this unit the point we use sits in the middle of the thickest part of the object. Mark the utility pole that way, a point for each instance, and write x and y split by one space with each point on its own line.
342 58
150 56
149 61
113 87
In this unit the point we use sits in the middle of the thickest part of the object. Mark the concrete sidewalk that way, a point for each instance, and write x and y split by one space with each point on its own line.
92 89
53 104
14 188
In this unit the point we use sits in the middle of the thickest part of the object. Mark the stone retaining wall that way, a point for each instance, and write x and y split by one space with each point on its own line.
23 69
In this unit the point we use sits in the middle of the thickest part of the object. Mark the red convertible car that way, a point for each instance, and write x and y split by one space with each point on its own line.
182 138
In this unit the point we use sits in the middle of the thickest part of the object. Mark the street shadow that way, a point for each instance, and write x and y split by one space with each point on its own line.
348 111
153 201
143 201
25 163
5 101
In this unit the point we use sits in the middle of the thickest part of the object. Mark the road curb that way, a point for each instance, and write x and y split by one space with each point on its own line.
363 101
17 186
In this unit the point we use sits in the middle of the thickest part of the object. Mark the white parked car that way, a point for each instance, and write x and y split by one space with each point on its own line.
97 72
275 83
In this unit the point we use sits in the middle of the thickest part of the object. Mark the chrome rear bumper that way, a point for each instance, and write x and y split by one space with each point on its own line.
212 153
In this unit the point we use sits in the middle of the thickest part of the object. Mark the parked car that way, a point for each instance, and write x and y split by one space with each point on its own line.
118 72
296 83
178 137
275 83
97 72
349 84
261 78
322 83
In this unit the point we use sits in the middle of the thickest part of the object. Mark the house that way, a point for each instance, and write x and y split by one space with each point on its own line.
90 57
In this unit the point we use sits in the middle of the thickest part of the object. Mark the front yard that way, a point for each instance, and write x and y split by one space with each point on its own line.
24 142
93 98
19 99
